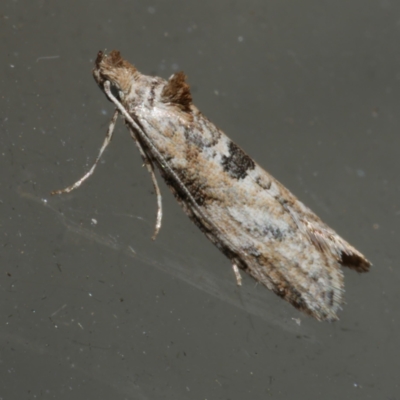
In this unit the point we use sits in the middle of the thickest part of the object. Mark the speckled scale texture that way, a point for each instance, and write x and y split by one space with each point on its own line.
253 219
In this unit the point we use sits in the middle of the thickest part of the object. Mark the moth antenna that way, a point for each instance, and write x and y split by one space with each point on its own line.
146 159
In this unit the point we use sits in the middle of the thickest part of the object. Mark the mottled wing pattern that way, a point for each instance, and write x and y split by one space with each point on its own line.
260 226
254 220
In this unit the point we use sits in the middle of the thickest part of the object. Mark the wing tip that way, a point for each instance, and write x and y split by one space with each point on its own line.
354 260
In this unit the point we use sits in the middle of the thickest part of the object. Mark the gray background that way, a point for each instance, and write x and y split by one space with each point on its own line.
90 306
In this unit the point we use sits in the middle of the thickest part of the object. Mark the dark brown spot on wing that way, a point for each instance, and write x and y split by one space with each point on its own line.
354 261
263 183
237 163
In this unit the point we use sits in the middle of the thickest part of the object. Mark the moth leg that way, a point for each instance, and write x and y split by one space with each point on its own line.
150 167
237 274
106 142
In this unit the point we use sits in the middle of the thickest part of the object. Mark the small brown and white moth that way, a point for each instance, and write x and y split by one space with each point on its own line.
254 220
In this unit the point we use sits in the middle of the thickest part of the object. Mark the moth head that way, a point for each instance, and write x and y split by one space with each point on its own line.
113 68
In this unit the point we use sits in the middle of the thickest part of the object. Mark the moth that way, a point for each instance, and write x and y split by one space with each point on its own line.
254 220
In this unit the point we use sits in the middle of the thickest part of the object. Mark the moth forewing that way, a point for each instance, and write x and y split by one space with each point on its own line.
253 219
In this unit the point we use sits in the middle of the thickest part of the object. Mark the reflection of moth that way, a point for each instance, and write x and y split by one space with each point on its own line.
254 220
